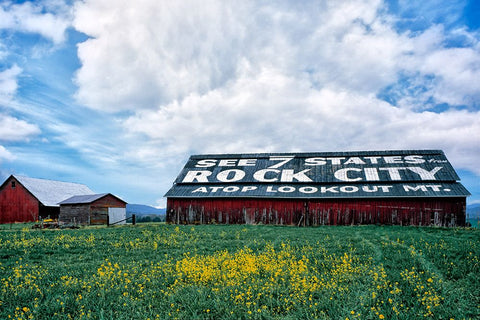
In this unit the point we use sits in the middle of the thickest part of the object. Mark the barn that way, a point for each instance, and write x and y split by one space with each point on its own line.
24 199
404 187
93 209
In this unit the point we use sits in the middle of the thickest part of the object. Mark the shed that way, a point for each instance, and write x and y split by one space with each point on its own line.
24 199
399 187
93 209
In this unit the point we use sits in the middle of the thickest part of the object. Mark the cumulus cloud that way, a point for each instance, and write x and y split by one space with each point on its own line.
5 154
13 129
8 83
246 77
47 18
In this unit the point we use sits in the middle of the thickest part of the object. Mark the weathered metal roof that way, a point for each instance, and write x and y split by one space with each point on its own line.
89 198
51 192
399 173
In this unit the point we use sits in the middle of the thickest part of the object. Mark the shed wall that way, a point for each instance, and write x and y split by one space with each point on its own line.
74 214
109 201
314 212
93 213
17 204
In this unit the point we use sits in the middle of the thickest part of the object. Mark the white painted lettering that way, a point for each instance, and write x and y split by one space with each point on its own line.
373 160
342 174
331 189
354 160
393 159
308 189
231 189
371 174
288 175
237 175
408 188
349 189
247 162
248 188
367 189
286 189
425 174
199 176
394 172
414 159
260 175
283 160
335 161
201 189
206 163
227 163
270 189
385 188
315 162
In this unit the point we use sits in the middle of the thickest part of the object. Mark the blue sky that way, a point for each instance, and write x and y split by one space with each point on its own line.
118 94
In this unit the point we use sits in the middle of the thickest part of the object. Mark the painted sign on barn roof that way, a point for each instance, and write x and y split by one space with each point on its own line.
404 173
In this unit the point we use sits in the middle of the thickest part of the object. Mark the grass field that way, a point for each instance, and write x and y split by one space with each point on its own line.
158 271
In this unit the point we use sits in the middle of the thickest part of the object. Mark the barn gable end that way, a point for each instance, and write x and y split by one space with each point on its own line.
92 209
24 199
407 187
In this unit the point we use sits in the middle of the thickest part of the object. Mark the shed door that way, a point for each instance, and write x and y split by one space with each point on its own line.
117 214
98 215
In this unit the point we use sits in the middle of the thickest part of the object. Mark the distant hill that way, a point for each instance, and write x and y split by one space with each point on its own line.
141 209
473 211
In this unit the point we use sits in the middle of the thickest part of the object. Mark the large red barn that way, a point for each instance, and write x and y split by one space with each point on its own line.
407 187
24 199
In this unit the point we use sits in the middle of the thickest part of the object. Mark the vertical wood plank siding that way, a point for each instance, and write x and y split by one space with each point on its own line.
17 204
315 212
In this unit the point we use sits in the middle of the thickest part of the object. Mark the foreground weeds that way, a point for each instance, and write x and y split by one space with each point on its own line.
240 272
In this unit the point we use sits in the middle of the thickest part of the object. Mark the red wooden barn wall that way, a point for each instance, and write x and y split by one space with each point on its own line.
313 212
17 204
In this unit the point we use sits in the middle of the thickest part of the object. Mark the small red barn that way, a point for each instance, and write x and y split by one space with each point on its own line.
24 199
93 209
405 187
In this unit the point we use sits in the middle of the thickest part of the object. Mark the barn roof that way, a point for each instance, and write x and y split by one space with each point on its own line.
88 198
51 192
391 173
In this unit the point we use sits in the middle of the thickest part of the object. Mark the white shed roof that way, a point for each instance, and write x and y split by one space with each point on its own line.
51 192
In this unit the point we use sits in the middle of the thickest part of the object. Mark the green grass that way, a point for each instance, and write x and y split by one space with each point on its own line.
160 271
475 223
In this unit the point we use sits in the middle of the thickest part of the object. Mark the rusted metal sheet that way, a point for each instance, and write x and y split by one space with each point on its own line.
315 212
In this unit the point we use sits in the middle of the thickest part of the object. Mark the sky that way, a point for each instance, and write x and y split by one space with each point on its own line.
117 94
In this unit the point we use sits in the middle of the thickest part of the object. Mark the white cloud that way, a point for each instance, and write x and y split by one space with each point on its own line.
5 154
13 129
47 18
240 119
8 83
222 77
